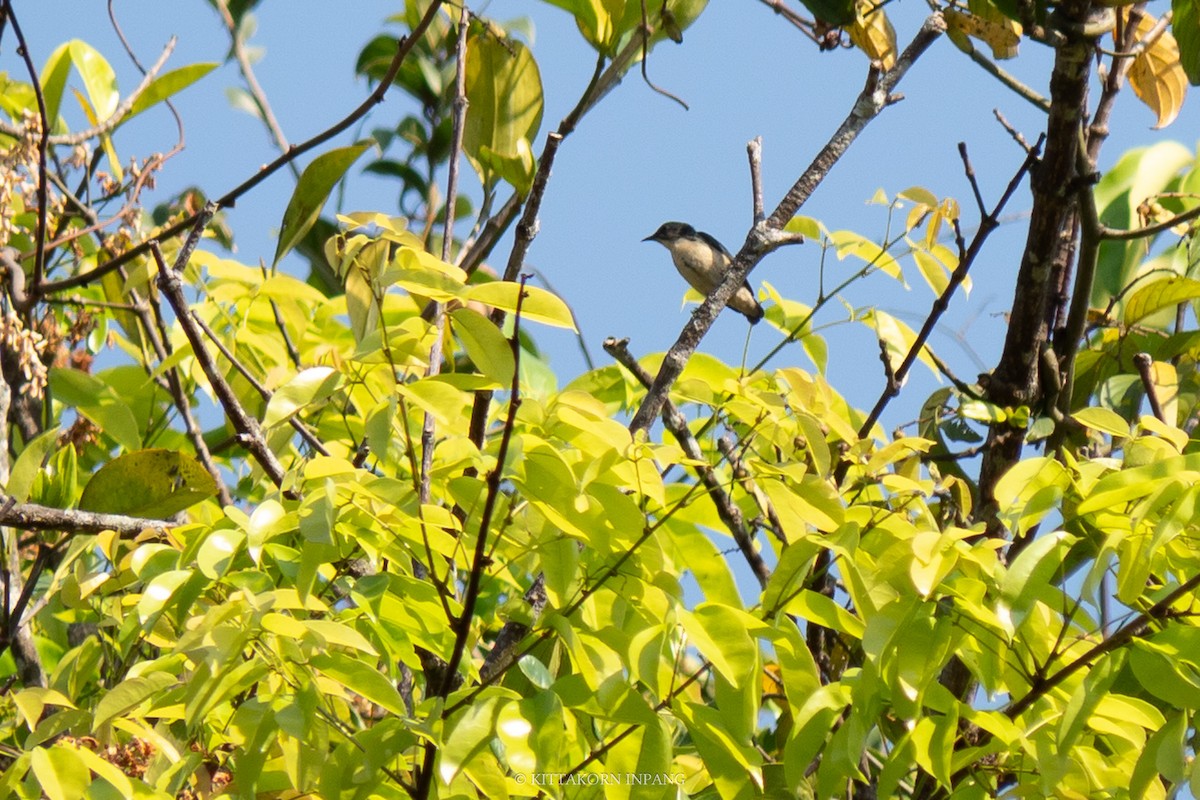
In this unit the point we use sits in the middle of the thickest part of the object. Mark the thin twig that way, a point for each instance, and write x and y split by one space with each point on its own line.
227 200
237 46
266 394
986 226
743 476
162 349
646 32
805 26
462 625
1008 79
1114 235
39 258
459 113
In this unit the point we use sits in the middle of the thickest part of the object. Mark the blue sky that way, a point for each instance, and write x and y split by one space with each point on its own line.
638 159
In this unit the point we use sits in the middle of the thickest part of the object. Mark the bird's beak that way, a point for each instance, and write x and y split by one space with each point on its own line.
650 238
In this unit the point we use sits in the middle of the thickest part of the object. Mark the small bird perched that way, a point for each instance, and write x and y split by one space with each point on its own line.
702 261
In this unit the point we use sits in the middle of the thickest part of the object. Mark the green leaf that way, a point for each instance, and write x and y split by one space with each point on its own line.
313 385
834 12
735 766
504 92
1185 25
1164 753
593 19
1154 295
159 592
362 679
54 80
129 694
170 84
1029 491
721 634
28 464
98 78
1118 488
1104 420
822 610
311 192
1034 568
487 348
467 735
97 401
60 773
539 305
155 484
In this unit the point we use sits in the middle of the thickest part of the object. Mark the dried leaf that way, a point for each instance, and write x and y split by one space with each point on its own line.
1156 75
873 33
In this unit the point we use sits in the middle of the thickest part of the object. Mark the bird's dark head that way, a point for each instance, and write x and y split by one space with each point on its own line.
671 231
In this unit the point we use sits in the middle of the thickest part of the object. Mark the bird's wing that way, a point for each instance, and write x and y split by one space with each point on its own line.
712 242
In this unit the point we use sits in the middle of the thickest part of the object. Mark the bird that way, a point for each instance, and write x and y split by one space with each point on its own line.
702 261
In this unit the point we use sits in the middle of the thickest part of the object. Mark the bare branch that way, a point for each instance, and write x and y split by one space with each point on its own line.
754 153
676 423
249 433
34 517
39 258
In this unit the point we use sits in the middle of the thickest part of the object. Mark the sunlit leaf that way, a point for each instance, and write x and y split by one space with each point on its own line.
538 305
98 78
872 32
1156 74
168 85
1185 25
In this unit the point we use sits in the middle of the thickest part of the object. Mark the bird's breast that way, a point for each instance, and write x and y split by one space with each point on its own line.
700 265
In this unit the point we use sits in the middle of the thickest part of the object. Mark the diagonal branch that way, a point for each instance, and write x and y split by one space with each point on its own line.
676 423
250 434
764 237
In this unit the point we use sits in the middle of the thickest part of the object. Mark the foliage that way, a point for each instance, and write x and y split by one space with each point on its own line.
406 559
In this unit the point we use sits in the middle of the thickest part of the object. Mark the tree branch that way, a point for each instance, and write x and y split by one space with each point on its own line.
675 422
249 432
765 236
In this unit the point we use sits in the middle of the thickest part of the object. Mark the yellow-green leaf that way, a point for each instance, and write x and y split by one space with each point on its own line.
538 306
1159 294
504 94
311 192
155 484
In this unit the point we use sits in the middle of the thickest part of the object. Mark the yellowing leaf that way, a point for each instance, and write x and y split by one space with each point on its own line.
538 305
872 32
1156 75
985 23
